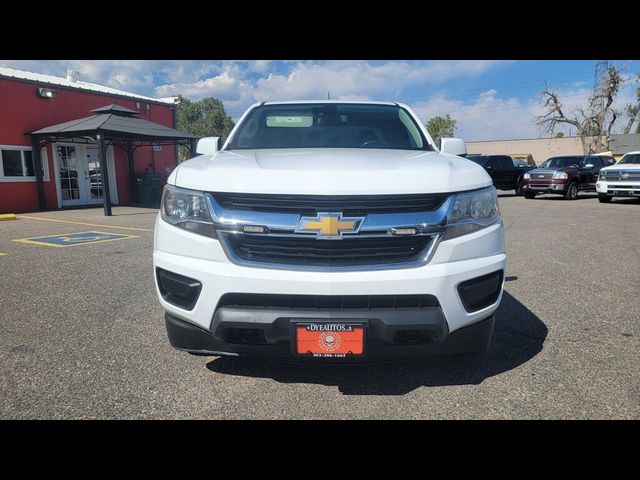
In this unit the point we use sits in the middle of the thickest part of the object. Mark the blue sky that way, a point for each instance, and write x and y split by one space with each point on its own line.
491 100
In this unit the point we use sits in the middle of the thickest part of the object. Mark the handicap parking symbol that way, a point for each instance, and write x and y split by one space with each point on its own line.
71 239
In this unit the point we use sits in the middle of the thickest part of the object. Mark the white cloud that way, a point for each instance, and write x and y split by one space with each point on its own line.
240 83
222 85
491 117
485 117
259 66
346 80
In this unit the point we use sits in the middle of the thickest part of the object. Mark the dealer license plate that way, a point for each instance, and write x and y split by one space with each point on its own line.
329 339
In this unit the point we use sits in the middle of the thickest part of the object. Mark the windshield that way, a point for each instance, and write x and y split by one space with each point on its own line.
329 125
561 162
630 158
517 162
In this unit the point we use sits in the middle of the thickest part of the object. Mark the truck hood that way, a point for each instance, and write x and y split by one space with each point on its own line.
552 170
330 171
623 166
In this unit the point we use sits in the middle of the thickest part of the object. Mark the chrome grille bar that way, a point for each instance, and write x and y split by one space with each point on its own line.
374 246
621 176
431 222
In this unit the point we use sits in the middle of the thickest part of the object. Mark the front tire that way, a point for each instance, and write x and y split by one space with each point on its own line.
519 188
604 198
529 195
572 191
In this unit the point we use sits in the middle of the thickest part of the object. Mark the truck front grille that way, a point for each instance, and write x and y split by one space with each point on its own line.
541 176
622 176
349 205
347 252
392 231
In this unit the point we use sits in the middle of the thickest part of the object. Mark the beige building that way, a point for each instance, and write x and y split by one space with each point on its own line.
539 148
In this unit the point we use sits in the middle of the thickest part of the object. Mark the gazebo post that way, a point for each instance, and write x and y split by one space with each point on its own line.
37 166
132 173
102 155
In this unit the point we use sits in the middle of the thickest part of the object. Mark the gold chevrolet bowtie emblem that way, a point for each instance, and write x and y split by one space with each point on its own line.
329 225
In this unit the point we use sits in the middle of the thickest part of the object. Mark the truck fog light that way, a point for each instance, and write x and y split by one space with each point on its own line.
177 289
480 292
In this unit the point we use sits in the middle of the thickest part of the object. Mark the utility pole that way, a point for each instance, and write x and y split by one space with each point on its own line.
328 95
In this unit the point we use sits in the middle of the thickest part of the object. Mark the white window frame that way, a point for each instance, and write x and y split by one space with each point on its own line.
24 148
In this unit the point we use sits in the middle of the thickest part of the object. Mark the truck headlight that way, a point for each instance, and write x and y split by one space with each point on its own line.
527 176
187 209
560 176
602 175
472 211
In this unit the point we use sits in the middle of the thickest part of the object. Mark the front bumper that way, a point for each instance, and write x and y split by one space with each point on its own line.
549 187
380 345
618 189
454 262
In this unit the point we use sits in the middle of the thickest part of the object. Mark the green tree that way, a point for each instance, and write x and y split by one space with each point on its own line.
560 135
205 118
439 127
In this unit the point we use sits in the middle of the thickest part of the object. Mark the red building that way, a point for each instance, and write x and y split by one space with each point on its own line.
31 101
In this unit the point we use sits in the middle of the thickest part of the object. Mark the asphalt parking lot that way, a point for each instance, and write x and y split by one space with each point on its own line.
83 334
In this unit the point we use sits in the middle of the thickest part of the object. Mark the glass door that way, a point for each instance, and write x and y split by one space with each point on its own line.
71 175
94 176
80 175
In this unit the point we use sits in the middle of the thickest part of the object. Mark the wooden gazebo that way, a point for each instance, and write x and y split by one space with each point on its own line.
110 125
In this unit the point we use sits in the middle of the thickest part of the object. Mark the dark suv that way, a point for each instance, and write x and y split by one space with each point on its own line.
506 173
565 175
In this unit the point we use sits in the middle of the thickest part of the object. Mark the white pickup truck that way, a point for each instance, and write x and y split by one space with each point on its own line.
621 179
328 231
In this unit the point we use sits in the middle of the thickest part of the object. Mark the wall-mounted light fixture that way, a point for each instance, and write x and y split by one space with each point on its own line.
46 92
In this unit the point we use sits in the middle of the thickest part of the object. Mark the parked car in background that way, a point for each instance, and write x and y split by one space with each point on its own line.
503 170
566 175
621 179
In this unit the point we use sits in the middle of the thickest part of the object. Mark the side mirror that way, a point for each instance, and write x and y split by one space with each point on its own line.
454 146
208 145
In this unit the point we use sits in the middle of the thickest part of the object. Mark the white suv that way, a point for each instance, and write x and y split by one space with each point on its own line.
330 231
621 179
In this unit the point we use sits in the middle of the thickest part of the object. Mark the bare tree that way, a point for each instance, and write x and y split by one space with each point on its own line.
633 112
593 121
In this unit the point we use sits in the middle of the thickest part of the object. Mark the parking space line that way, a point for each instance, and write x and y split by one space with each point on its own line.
87 224
68 239
34 242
